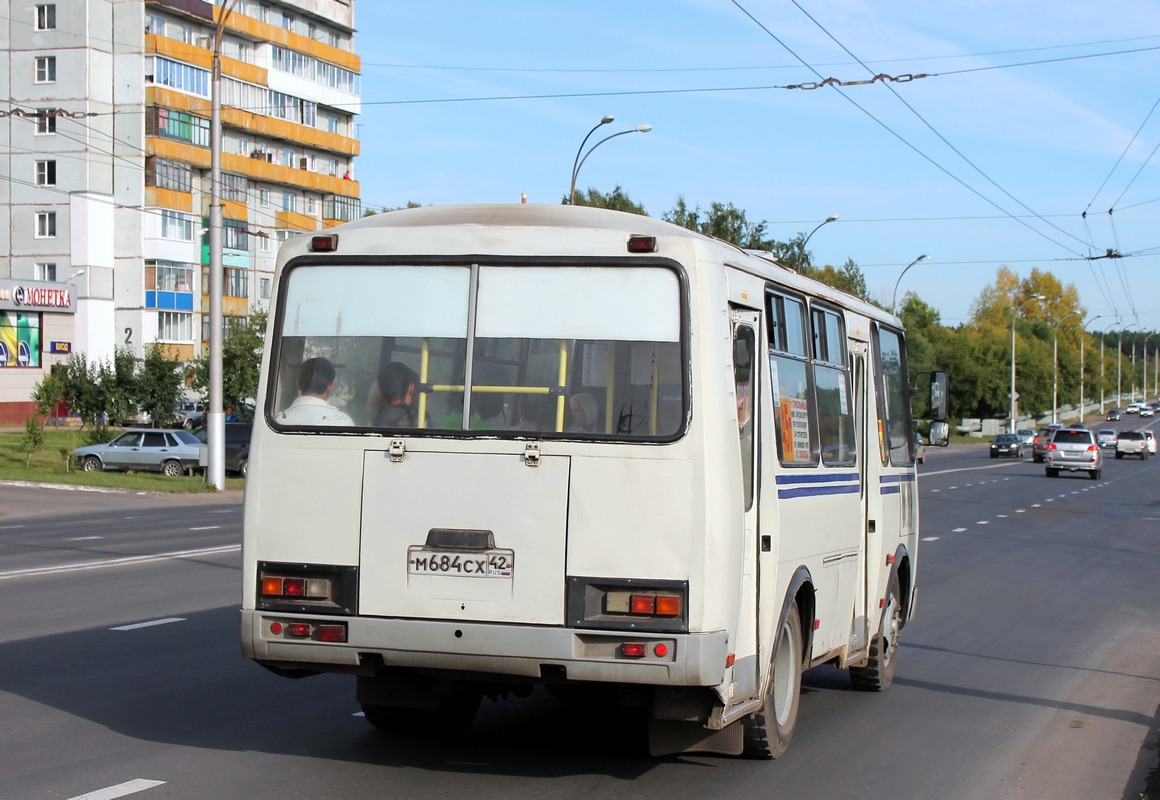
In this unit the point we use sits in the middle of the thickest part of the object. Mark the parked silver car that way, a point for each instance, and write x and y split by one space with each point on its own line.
1074 450
1106 437
142 450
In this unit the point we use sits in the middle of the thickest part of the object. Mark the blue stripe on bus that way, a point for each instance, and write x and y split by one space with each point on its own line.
816 477
905 477
817 491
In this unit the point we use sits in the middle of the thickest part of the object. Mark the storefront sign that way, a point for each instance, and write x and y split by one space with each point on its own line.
37 296
60 347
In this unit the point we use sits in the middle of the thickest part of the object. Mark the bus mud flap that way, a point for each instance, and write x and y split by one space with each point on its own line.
667 737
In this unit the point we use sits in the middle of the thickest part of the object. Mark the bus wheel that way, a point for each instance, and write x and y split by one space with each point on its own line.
768 731
878 673
454 715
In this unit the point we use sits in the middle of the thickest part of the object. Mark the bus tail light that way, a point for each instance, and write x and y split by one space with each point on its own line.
329 632
634 649
307 588
627 604
325 243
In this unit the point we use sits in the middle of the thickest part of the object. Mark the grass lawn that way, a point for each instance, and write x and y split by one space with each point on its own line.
48 465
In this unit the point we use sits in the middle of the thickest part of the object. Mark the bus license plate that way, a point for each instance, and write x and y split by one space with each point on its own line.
464 564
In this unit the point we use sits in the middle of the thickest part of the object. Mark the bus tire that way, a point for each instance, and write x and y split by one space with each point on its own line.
767 732
878 673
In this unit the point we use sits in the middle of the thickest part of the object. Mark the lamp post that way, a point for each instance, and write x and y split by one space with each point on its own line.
894 299
1015 315
1055 370
805 241
578 162
1119 358
1145 385
215 471
1082 341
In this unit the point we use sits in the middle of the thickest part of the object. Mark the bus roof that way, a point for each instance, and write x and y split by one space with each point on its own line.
461 224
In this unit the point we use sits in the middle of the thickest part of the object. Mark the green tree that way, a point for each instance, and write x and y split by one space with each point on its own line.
617 200
848 278
159 385
723 221
241 360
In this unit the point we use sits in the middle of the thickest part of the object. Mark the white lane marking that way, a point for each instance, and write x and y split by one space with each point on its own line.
225 511
11 527
119 562
930 538
1035 505
120 790
1001 516
206 528
1020 510
952 487
981 522
957 530
935 491
151 623
83 538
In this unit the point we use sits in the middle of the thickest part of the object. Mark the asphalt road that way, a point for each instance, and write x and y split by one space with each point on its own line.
1031 671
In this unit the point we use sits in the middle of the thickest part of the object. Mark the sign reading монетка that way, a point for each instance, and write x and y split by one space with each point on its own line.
30 296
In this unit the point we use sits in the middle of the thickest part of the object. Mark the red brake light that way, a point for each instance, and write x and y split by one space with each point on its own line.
294 587
324 244
642 244
1051 446
642 604
632 650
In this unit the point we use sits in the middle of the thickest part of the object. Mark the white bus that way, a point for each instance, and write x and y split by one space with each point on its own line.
503 446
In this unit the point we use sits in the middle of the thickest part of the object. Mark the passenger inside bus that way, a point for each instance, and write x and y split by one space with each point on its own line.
396 387
585 415
312 405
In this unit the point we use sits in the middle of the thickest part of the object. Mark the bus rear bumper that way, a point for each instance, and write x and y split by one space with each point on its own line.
487 649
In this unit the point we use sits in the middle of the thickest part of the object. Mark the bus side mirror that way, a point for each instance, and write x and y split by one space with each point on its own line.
940 434
938 396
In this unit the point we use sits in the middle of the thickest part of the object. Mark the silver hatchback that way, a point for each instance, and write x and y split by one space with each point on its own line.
1074 449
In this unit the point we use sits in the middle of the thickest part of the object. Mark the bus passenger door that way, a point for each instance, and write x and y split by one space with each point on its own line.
868 473
746 327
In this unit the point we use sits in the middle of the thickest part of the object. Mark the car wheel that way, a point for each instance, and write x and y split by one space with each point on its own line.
1095 473
171 468
1052 473
243 466
91 464
1119 454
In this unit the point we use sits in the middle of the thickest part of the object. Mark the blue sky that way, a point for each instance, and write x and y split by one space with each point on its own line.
1032 113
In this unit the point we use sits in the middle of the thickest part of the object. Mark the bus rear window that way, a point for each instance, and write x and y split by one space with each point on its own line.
575 351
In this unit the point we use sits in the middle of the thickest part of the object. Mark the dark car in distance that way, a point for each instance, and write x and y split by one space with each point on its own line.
237 436
1007 444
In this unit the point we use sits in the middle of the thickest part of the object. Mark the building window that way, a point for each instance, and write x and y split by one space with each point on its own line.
46 17
235 236
179 125
311 204
264 197
264 288
45 121
338 207
237 284
45 69
264 13
155 24
168 276
176 75
46 272
288 22
45 224
289 201
264 243
165 173
234 187
46 173
175 225
174 326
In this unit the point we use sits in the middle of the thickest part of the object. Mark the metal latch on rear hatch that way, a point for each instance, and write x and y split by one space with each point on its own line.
397 449
532 454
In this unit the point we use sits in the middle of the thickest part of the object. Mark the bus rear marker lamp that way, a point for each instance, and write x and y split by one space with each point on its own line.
642 244
324 244
634 650
324 632
661 650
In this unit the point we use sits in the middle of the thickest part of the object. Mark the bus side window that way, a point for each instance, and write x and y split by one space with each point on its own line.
831 388
744 376
790 381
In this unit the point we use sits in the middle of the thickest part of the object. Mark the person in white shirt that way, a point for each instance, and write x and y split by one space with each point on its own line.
312 406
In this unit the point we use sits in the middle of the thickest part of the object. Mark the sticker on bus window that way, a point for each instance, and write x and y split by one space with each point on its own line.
795 428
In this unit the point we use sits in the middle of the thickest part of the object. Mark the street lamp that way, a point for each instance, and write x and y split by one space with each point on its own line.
1146 338
578 162
805 241
1015 315
1055 370
894 299
215 471
1119 372
1082 341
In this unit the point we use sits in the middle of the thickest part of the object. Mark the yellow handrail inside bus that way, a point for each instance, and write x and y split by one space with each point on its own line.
562 378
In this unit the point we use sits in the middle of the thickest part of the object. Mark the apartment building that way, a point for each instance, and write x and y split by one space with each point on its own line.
105 148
